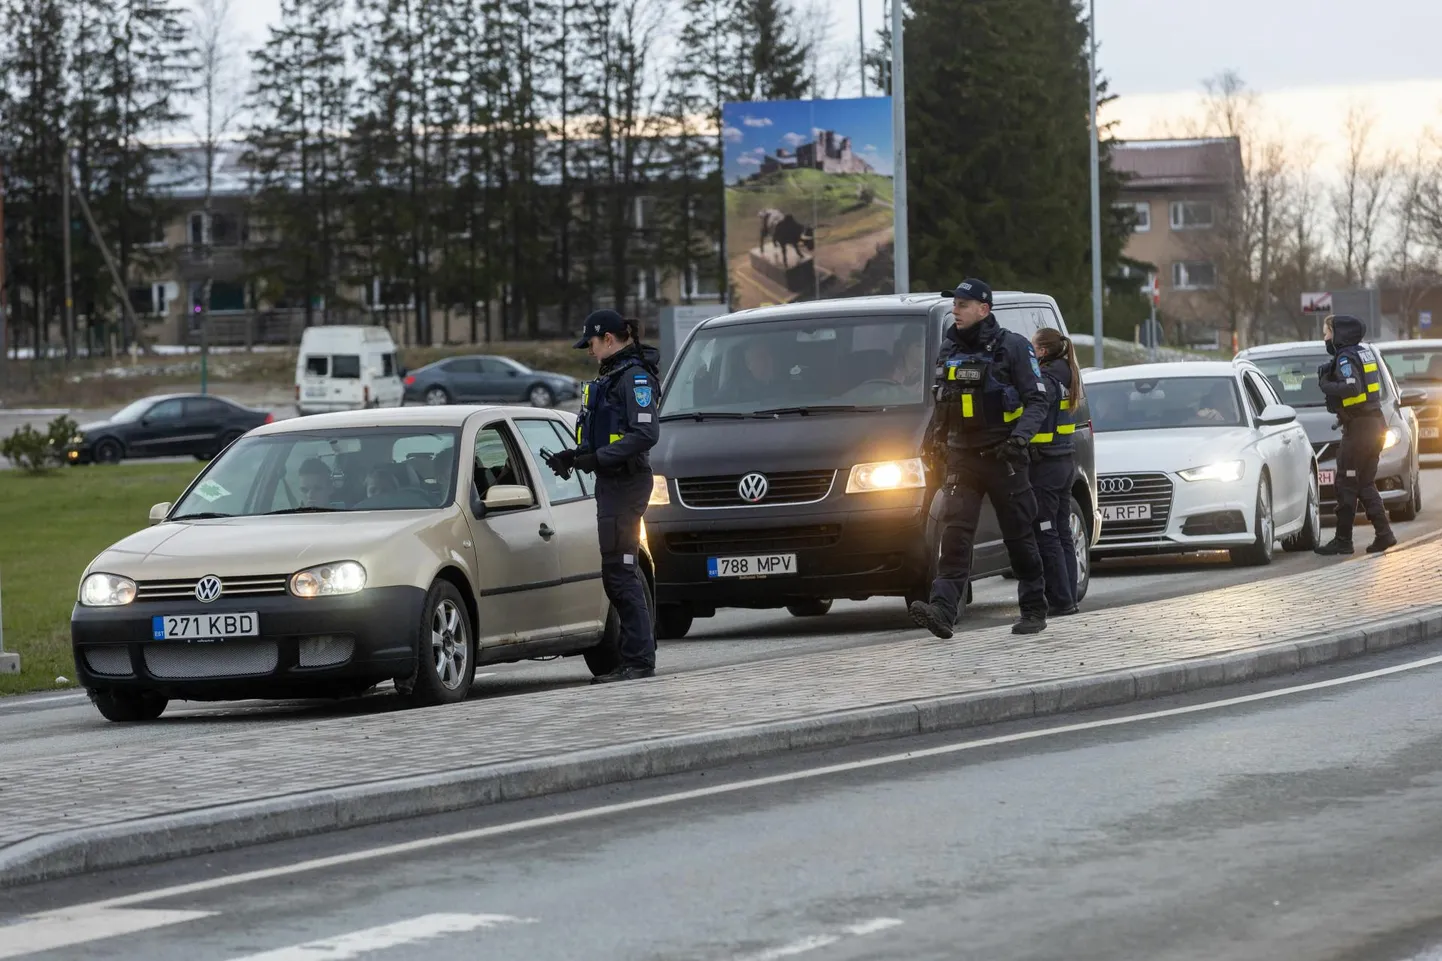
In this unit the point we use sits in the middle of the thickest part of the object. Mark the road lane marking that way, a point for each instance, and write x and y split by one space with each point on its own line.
733 787
35 702
65 928
387 936
816 941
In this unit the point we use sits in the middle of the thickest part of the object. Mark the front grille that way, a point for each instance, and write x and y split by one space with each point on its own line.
1151 489
109 661
220 659
327 650
776 539
259 585
783 487
1325 450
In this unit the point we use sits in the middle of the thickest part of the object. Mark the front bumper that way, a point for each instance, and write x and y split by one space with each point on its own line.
79 454
304 646
1189 516
1394 475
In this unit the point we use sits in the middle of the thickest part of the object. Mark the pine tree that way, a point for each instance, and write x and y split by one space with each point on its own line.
778 58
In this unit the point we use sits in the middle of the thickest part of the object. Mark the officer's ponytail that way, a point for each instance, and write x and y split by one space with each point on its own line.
1054 345
633 330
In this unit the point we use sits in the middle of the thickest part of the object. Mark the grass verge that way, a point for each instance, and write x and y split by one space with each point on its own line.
53 525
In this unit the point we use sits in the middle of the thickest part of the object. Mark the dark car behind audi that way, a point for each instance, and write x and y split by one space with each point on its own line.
1416 366
789 470
168 425
485 378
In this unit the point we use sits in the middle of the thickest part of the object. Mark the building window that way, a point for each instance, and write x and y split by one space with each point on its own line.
1192 214
1141 213
1194 275
701 282
198 233
643 212
645 285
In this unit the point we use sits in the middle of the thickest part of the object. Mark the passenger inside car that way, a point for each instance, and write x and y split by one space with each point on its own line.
1219 405
316 484
381 479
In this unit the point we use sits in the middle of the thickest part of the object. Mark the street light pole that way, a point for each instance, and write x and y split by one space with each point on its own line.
1096 197
861 33
898 138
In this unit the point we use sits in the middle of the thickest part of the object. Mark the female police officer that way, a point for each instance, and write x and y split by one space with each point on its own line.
618 426
1053 468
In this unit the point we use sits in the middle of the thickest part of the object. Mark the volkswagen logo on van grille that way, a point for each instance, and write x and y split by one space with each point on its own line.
208 588
753 488
1116 485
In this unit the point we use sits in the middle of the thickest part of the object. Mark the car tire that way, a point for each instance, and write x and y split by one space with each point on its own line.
129 706
812 608
1259 552
1410 510
541 396
108 452
1082 546
445 649
1310 535
436 396
605 657
673 621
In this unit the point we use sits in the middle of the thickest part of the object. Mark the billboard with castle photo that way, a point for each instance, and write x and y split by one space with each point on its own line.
808 200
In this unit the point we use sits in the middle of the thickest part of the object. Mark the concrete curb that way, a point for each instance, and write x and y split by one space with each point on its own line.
226 827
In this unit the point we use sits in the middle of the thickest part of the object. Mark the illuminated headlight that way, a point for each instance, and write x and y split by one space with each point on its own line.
1225 471
106 590
1391 439
78 439
328 580
660 492
887 475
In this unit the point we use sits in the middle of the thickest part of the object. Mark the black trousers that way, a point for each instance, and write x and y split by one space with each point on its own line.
1051 479
1009 488
620 502
1357 458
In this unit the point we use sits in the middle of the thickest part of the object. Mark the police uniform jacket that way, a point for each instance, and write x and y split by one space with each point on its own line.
1352 380
1055 437
618 419
988 387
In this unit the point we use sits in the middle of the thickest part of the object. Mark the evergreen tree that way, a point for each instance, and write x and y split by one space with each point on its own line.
998 149
778 58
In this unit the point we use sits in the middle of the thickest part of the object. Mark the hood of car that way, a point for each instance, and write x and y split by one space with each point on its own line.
1168 451
95 426
253 546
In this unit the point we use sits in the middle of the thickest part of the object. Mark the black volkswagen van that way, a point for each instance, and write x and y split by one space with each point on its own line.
789 470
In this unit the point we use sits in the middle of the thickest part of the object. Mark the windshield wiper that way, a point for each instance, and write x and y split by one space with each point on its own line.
704 415
306 510
204 516
821 409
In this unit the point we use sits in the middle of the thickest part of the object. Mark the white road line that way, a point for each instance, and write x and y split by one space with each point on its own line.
29 702
872 927
806 945
677 797
358 943
61 929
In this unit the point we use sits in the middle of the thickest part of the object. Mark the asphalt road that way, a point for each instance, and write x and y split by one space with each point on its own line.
1297 820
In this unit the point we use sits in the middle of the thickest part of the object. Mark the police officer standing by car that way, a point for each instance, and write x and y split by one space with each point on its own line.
1053 468
991 400
618 427
1353 385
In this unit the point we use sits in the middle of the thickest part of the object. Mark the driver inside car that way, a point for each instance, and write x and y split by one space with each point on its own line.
1219 405
316 484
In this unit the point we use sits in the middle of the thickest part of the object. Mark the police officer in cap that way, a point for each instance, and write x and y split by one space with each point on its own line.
1352 382
618 427
990 402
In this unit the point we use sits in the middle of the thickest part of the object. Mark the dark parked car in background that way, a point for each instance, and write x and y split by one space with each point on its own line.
1292 370
169 425
1416 366
484 378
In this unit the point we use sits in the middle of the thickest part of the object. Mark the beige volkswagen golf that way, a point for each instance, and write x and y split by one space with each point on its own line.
322 555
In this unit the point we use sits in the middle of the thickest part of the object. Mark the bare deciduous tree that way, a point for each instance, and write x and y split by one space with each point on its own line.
1361 201
1413 267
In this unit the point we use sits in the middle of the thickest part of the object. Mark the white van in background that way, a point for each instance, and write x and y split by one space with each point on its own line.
347 368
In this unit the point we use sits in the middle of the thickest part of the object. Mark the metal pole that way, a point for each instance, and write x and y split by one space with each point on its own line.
1152 332
65 244
898 136
1096 198
9 663
4 312
861 32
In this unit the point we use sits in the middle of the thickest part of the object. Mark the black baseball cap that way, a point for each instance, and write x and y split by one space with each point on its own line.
599 324
970 289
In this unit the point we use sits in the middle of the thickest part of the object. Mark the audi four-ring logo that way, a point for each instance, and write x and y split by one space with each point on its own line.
753 488
1115 485
208 588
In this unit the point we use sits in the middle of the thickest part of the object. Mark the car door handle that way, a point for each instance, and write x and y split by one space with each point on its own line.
546 532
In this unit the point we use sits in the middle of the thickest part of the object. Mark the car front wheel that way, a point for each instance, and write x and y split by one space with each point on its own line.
1410 510
811 608
1081 544
1259 552
673 621
128 706
445 649
108 452
1310 535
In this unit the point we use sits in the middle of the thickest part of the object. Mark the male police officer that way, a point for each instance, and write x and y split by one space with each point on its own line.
990 402
1353 385
618 427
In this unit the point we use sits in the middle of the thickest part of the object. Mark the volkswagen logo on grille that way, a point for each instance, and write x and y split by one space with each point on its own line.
753 488
1115 485
208 588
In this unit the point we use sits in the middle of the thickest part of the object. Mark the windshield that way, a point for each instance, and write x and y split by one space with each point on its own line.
1415 366
133 411
829 362
358 469
1294 377
1164 402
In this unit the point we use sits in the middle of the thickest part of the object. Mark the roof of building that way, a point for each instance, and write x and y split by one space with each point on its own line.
1160 164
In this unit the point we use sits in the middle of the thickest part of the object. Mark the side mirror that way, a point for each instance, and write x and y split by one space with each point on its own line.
158 512
1276 414
508 497
1413 397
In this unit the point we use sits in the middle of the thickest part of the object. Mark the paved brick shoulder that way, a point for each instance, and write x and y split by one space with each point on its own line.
91 787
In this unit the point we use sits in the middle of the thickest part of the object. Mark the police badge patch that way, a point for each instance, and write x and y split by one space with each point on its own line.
1344 366
643 396
1035 367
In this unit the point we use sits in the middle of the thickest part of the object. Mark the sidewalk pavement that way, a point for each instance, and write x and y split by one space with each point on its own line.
220 788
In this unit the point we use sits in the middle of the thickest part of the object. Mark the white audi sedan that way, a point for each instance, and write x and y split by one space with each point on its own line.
1200 456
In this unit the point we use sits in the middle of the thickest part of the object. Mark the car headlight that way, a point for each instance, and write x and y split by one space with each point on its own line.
886 475
1391 439
660 492
77 439
1224 471
328 580
106 590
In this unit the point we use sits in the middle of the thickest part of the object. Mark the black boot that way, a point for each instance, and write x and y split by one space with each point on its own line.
932 618
1334 547
1061 611
624 674
1033 622
1384 540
